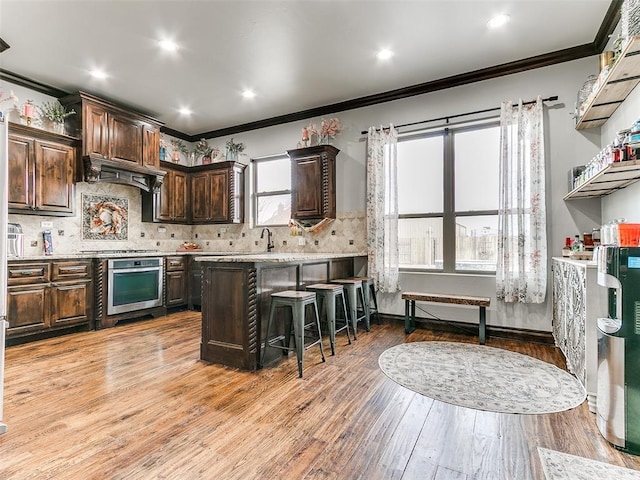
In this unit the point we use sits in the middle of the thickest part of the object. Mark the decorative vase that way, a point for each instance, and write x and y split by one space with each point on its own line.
163 153
232 156
206 159
58 127
175 156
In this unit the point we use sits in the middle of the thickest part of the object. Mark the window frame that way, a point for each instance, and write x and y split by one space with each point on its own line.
449 214
269 193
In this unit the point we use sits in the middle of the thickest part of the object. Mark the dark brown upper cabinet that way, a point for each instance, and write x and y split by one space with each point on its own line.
217 193
41 171
313 182
211 193
114 132
170 204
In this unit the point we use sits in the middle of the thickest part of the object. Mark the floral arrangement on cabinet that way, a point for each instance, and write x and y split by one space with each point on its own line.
178 147
234 149
207 152
329 129
53 114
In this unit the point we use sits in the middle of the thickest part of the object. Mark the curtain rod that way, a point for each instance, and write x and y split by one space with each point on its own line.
448 117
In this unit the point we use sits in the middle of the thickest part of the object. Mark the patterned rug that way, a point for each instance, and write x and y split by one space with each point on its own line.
562 466
481 377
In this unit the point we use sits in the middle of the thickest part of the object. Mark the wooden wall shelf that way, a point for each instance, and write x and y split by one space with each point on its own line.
614 177
622 79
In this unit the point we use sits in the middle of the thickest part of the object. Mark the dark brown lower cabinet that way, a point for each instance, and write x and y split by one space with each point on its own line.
45 298
176 281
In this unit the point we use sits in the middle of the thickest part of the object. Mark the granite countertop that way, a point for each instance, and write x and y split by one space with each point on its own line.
202 256
277 257
107 254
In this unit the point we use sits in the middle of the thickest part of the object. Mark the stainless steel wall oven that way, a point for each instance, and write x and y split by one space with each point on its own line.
133 284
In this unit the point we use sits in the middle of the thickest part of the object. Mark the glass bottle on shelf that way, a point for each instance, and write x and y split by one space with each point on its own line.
583 95
577 245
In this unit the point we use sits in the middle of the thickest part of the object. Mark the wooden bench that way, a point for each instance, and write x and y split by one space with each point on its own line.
410 299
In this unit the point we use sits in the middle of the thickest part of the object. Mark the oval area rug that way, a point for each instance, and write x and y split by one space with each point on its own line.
481 377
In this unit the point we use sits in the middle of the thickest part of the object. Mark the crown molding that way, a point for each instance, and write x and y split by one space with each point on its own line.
18 79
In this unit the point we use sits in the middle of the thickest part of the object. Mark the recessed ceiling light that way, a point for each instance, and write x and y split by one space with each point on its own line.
97 73
168 45
185 111
384 54
247 93
498 20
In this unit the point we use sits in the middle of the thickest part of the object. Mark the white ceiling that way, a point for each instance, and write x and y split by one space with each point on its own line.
295 55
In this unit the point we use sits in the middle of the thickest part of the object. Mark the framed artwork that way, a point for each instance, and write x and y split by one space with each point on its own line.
105 218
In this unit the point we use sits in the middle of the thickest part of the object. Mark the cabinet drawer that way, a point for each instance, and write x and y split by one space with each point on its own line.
69 270
173 264
25 273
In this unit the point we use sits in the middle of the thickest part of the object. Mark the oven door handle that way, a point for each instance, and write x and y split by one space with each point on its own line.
136 269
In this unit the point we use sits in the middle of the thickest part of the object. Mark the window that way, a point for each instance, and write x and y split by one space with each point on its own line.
272 187
448 199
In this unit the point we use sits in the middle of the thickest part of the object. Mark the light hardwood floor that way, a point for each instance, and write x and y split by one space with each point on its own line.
135 402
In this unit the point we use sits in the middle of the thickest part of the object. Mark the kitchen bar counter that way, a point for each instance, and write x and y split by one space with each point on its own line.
276 257
236 294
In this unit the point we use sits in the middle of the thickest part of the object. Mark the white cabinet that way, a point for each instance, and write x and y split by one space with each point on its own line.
578 301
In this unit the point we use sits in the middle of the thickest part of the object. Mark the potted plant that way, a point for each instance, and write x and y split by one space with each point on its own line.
55 114
234 149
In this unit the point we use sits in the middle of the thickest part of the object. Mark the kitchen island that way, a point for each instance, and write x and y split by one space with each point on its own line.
236 292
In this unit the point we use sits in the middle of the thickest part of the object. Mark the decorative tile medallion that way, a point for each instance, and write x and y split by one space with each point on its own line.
105 218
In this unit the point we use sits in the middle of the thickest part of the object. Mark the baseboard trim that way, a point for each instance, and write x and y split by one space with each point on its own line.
519 334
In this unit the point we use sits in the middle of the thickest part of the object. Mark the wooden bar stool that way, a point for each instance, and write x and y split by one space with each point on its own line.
327 294
355 294
298 302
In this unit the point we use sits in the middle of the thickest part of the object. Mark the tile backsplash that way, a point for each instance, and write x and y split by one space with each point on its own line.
346 234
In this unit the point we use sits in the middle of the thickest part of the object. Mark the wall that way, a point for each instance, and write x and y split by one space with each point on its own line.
565 147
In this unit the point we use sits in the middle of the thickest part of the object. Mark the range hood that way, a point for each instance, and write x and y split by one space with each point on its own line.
97 169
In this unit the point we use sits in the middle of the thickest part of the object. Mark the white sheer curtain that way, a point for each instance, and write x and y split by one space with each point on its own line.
521 273
382 208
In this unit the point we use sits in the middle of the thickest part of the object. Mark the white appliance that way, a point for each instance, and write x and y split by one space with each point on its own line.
4 172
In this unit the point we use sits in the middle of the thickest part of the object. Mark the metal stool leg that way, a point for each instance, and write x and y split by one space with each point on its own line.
346 318
315 309
374 298
365 300
353 308
298 334
365 308
330 307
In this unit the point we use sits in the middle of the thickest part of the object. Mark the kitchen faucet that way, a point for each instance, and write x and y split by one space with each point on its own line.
269 241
